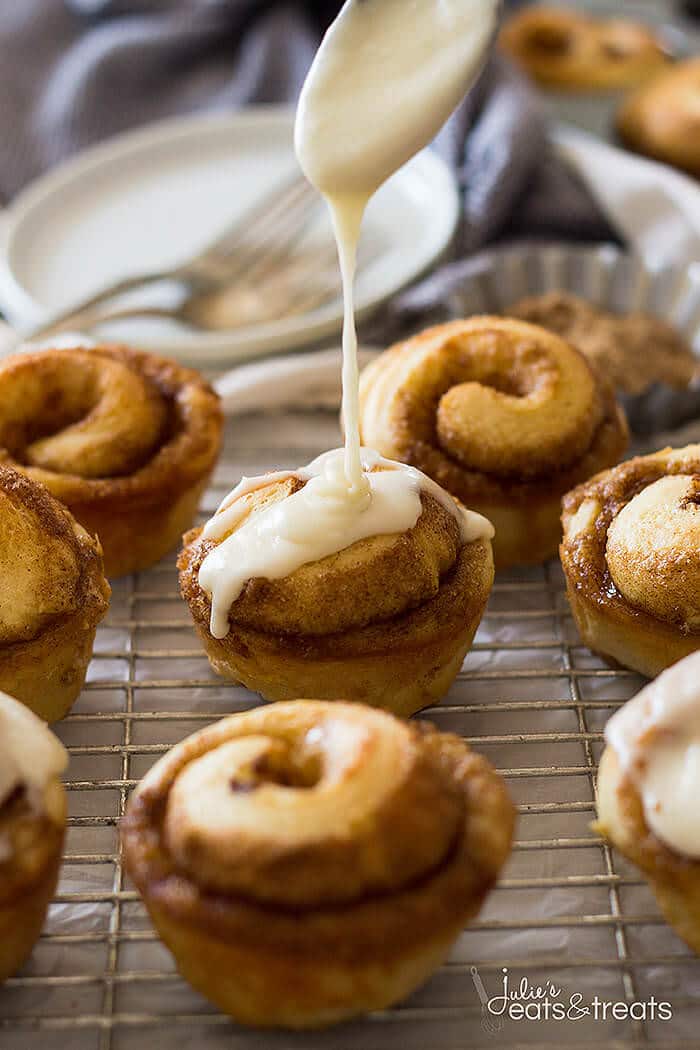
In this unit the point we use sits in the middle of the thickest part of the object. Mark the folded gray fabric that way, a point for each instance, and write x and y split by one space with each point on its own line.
76 71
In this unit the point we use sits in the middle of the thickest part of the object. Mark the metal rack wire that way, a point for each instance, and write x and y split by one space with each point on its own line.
530 697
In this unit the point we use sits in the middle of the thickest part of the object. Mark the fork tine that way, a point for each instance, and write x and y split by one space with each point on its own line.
314 261
297 304
260 220
326 290
279 248
298 299
322 261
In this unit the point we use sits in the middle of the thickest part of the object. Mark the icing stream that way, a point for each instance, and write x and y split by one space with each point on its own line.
385 79
656 737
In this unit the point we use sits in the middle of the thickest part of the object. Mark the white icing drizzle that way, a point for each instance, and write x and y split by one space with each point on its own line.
30 755
656 737
314 522
385 79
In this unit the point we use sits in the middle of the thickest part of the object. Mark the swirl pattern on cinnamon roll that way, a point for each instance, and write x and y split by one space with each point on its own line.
662 119
32 827
631 555
309 861
53 593
649 791
384 613
125 439
571 51
503 414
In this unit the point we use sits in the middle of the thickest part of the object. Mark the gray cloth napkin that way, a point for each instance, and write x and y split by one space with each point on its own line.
76 71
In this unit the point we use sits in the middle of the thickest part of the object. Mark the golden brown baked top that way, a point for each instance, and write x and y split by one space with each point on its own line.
634 350
662 118
632 538
49 565
493 409
31 832
107 423
372 580
329 811
565 49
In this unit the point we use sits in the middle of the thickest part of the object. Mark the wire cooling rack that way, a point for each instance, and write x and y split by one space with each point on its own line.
567 910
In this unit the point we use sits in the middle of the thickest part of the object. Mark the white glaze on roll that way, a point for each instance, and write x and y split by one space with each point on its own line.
314 522
656 738
30 755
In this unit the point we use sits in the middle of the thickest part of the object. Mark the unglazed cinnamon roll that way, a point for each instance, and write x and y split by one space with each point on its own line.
125 439
650 363
570 51
383 613
662 119
310 861
53 593
631 556
505 415
32 826
649 791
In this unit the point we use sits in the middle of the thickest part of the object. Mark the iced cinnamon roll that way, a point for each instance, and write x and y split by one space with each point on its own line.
32 826
310 861
53 593
297 588
649 791
570 51
125 439
631 556
505 415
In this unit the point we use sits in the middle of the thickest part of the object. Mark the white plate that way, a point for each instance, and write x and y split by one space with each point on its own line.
149 198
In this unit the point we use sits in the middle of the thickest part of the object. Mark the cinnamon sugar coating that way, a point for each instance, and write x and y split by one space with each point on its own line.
125 439
269 894
505 415
54 594
631 561
389 617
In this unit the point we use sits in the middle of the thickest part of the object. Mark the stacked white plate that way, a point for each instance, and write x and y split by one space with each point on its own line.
150 198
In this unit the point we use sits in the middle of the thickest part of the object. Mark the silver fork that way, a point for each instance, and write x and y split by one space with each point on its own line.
307 281
255 244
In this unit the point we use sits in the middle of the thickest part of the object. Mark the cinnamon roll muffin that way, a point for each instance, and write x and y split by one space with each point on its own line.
387 619
32 827
310 861
649 791
631 556
53 593
125 439
505 415
570 51
662 119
